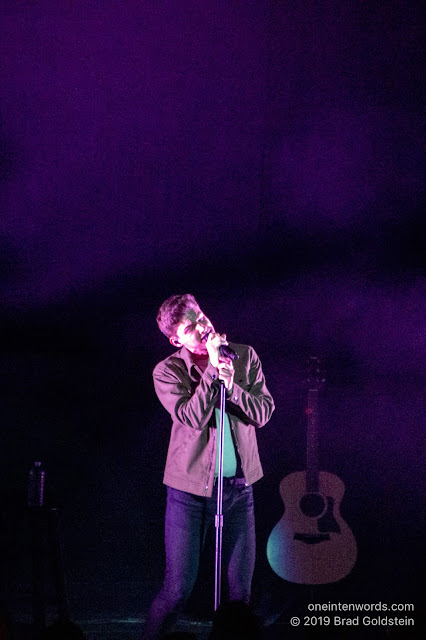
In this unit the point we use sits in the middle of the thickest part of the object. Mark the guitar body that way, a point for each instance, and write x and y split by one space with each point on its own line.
311 544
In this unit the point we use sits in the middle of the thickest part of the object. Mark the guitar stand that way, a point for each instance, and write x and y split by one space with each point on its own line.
32 537
46 543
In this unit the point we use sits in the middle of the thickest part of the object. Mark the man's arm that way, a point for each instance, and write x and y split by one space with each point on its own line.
255 404
190 407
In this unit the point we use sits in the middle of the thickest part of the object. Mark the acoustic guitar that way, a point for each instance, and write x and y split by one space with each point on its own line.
312 544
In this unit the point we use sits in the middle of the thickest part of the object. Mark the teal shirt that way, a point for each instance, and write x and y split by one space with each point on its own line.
229 457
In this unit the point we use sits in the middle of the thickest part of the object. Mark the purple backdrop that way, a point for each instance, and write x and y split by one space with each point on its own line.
267 157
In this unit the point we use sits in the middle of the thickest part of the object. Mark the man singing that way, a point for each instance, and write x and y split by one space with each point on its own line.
187 384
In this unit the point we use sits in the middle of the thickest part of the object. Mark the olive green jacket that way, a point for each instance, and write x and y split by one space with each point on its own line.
191 396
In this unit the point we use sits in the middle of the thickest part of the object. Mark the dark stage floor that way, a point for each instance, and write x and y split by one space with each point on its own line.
106 614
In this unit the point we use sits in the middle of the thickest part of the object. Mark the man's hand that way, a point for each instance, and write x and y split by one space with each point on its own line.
224 365
226 372
214 341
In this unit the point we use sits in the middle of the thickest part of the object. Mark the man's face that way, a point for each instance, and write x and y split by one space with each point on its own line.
190 331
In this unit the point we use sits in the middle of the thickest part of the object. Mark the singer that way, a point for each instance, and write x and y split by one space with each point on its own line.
187 384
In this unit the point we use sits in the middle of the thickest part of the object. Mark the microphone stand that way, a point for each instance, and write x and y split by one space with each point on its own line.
219 511
226 351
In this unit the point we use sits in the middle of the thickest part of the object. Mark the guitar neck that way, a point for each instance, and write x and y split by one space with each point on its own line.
312 468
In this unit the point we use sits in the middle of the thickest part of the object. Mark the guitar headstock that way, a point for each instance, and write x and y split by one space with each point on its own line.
316 374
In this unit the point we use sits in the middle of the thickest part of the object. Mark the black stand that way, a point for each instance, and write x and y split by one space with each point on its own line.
32 579
219 513
45 541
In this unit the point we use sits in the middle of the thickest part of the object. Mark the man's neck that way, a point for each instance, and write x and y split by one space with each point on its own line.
200 360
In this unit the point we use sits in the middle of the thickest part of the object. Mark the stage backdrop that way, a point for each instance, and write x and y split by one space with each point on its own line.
265 156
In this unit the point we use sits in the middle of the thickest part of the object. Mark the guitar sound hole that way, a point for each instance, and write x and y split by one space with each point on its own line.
312 505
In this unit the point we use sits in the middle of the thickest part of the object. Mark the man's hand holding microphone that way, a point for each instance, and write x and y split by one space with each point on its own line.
223 363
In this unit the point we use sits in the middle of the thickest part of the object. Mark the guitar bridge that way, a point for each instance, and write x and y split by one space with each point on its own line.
312 539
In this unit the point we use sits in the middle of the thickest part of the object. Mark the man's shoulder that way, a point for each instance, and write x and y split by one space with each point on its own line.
240 346
247 356
241 349
175 359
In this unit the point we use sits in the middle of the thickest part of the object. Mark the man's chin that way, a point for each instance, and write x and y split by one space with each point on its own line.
201 350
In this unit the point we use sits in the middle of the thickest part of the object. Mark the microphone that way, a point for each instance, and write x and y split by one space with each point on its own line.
224 349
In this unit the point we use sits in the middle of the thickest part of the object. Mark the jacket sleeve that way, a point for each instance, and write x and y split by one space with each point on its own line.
254 404
191 407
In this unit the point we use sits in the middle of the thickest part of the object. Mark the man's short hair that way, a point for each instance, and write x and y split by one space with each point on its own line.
172 311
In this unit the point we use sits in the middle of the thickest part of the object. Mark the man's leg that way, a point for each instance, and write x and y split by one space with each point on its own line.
184 524
239 541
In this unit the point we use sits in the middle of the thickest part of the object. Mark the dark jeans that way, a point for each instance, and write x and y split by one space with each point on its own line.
188 519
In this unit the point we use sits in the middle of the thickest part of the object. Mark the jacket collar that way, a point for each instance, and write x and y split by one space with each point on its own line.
186 356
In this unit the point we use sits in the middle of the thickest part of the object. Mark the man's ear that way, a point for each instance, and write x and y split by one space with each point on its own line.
174 341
